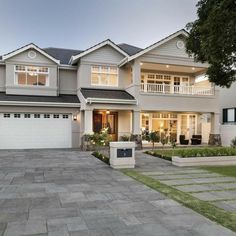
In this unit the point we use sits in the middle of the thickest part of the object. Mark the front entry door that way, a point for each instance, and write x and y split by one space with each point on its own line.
103 119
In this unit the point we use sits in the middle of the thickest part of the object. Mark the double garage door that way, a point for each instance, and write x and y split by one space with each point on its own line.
35 130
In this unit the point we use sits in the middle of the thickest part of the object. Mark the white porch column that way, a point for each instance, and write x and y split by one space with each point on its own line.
215 123
136 79
214 138
136 128
88 121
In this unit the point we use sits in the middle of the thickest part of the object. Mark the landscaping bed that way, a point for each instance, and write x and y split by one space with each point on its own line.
101 157
198 156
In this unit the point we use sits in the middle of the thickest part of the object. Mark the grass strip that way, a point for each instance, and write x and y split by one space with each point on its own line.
214 190
212 212
223 170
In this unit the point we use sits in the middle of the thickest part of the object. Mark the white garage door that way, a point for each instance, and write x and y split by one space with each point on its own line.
25 130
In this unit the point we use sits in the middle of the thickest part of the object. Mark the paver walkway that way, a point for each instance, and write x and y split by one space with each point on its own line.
208 186
66 192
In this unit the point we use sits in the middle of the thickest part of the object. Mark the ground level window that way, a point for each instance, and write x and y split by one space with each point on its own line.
36 115
56 116
229 115
16 115
65 116
6 115
46 116
27 115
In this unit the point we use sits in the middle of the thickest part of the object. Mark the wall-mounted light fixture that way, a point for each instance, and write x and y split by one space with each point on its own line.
75 117
107 112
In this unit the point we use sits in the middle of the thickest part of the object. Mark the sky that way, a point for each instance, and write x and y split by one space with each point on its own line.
79 24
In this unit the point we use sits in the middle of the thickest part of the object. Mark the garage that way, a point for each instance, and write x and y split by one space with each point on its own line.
35 130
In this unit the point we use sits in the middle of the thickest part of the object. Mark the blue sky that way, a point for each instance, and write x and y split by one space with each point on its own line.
79 24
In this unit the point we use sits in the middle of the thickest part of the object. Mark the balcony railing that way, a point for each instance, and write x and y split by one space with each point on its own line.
176 89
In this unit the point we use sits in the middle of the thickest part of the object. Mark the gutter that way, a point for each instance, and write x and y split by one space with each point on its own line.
110 101
38 104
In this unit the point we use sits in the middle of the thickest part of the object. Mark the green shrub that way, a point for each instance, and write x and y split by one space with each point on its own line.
153 137
233 142
194 152
101 157
125 138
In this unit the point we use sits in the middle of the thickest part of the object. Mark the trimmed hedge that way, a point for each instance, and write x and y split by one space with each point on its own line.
101 157
194 152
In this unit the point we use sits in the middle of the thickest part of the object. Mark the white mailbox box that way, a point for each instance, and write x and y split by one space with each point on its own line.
122 155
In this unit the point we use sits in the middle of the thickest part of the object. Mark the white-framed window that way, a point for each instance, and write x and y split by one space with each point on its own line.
104 75
31 75
56 116
36 116
230 115
65 116
27 115
6 115
46 116
17 115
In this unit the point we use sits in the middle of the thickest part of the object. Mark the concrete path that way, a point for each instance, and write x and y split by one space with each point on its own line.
65 192
207 186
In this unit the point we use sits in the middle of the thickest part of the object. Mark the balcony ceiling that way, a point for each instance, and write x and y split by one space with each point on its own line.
173 68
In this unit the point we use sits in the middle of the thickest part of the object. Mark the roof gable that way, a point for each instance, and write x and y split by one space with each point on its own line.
27 47
108 42
155 45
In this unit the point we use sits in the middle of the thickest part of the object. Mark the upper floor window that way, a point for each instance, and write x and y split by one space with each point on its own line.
104 75
31 75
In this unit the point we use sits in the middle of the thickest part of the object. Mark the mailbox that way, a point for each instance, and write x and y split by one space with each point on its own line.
122 155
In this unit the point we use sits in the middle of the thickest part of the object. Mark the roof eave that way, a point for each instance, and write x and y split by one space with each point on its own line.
91 100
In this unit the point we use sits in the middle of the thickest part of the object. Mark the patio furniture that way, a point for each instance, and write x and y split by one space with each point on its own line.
182 140
196 139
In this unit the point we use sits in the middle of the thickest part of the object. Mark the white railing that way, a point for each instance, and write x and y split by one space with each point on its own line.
176 89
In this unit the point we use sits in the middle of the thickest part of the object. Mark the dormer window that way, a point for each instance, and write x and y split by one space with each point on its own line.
104 75
31 75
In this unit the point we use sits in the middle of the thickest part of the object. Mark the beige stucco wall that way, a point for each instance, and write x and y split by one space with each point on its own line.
40 60
67 81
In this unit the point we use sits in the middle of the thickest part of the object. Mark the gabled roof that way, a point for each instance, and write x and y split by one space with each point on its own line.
153 46
75 58
62 54
129 49
27 47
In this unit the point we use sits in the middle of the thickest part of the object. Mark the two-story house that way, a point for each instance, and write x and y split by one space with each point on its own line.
50 98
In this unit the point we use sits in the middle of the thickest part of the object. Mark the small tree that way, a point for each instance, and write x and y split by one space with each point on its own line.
153 137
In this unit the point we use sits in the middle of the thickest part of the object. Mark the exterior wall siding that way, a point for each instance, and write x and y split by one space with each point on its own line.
170 49
2 78
67 81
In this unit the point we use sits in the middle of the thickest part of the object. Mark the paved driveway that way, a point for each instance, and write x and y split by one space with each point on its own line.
64 192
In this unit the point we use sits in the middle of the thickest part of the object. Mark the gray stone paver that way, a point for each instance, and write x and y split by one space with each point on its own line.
199 183
71 193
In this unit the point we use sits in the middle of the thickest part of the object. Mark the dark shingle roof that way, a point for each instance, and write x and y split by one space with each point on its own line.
129 49
25 98
106 93
62 54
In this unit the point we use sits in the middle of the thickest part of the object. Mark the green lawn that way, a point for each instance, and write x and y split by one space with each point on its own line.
224 170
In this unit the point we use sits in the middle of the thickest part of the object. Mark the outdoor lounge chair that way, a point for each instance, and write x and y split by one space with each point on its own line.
196 139
182 140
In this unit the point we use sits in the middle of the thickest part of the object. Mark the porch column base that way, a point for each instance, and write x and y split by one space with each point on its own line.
86 144
214 140
137 138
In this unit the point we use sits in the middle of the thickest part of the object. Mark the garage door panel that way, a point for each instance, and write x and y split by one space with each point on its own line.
20 133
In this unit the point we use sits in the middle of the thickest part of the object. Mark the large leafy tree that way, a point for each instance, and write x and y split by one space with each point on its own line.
212 39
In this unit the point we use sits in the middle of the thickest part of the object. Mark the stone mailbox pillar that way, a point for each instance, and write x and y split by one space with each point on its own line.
122 155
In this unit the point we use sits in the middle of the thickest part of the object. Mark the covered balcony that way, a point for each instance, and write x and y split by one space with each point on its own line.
173 79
